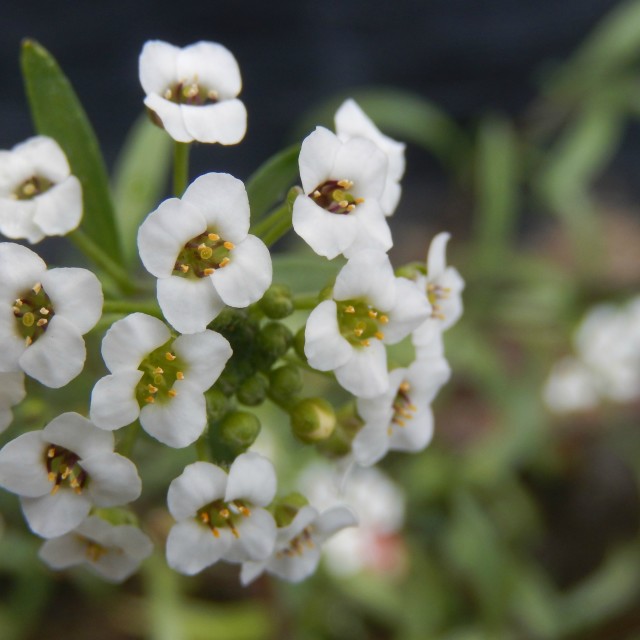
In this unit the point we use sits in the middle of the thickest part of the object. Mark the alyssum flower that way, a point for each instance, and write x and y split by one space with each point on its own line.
43 316
157 378
114 552
62 471
38 195
192 91
220 516
370 308
343 181
351 122
200 249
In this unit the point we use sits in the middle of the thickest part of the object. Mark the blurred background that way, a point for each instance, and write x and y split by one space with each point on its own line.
521 520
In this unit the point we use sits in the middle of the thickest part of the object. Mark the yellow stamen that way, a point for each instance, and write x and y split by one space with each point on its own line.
365 343
383 319
51 476
351 207
184 268
28 340
149 400
214 237
42 322
229 245
224 262
169 356
152 389
168 94
54 490
372 313
359 200
19 302
44 311
51 453
379 335
209 271
343 203
37 288
224 513
404 386
349 309
345 184
204 517
172 392
212 94
158 370
358 332
316 194
180 375
28 189
215 532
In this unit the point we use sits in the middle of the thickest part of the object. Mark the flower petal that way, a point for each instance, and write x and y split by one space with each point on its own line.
21 269
252 478
362 162
170 115
365 373
295 568
191 547
333 520
158 66
16 220
54 515
45 158
22 466
317 155
411 309
114 479
75 433
207 354
371 443
417 432
212 66
224 122
59 210
66 551
256 537
324 345
199 484
113 400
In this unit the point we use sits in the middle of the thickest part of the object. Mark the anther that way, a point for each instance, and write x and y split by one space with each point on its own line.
215 532
19 302
172 392
365 343
404 386
372 313
28 340
214 237
344 203
351 208
44 311
42 322
184 268
349 309
51 476
358 332
29 189
54 489
149 400
229 245
204 516
345 184
168 94
37 287
212 94
180 375
316 194
224 262
379 335
158 370
209 271
169 356
51 452
152 389
359 200
66 473
224 513
383 319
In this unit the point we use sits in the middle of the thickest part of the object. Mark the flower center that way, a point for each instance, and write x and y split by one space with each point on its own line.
359 322
93 550
220 514
30 188
202 255
192 93
403 408
161 368
63 469
435 294
335 197
33 312
297 545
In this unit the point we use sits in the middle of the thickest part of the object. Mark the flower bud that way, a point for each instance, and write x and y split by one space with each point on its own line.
273 342
277 302
298 344
253 390
313 419
284 382
410 271
233 435
117 516
217 404
284 509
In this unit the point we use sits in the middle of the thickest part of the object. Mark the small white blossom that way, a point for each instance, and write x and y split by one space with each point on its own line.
370 308
192 91
571 386
220 516
113 552
12 392
299 545
200 249
352 122
343 181
43 316
38 195
63 470
157 378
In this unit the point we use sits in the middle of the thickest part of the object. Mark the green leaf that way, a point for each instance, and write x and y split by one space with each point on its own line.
57 113
305 271
268 185
140 178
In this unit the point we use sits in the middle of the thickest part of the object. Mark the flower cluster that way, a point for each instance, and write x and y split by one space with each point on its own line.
188 365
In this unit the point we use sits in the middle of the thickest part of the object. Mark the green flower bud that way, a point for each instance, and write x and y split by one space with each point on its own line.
217 404
284 509
298 344
284 382
411 271
117 516
273 342
313 419
277 302
233 435
253 390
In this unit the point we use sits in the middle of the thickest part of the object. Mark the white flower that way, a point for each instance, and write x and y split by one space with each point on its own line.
351 122
571 386
43 316
63 470
370 308
38 195
343 182
443 286
157 378
201 252
112 552
400 419
192 91
11 393
219 515
299 545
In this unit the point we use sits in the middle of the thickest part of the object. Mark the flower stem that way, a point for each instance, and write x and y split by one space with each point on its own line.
180 167
271 229
96 253
132 306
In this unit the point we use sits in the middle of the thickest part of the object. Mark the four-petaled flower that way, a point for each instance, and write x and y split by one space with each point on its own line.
192 91
38 195
200 249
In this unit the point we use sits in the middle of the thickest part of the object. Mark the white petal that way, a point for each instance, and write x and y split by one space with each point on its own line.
207 354
114 566
333 520
324 345
113 400
164 233
59 210
365 373
158 66
57 356
411 309
54 515
16 220
302 519
371 444
224 122
212 66
317 156
66 551
328 234
75 433
45 158
179 421
437 257
417 432
256 537
245 279
192 547
131 540
170 115
12 389
22 466
199 484
131 339
360 161
188 305
250 571
251 478
76 294
20 269
222 200
13 345
426 377
114 479
391 197
297 567
373 229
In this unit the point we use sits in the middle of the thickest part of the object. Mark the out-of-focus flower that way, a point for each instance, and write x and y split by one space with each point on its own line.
343 182
113 552
63 470
157 378
220 516
200 249
571 386
192 91
43 316
352 122
38 195
370 308
12 392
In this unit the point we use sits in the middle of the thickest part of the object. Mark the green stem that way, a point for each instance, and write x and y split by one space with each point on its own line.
266 225
180 167
102 259
132 306
281 223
